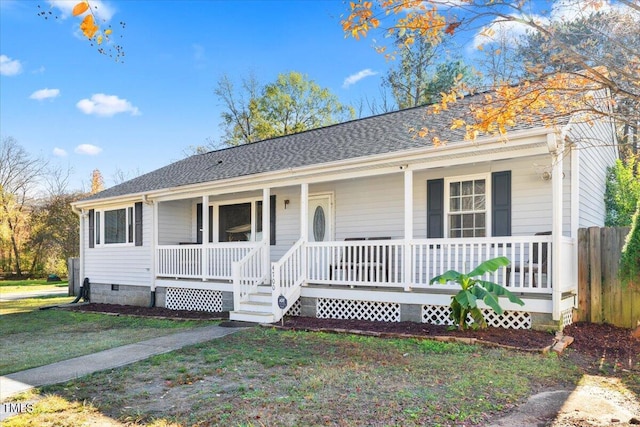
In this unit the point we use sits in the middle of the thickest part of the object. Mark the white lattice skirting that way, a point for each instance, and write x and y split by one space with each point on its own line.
439 315
295 310
567 317
361 310
194 299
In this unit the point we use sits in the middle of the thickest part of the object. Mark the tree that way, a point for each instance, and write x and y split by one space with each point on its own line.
566 89
622 193
603 39
20 174
54 234
424 72
291 104
630 259
97 182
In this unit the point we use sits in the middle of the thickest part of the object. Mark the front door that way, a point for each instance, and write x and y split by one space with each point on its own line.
321 218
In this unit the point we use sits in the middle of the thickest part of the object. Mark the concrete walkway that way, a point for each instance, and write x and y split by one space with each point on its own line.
67 370
57 292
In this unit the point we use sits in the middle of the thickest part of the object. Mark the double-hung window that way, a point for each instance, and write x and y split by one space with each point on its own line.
114 226
467 200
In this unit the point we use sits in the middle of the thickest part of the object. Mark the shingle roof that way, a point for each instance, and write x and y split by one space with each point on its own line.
386 133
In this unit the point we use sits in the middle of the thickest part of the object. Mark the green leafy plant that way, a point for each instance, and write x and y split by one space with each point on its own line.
465 302
630 259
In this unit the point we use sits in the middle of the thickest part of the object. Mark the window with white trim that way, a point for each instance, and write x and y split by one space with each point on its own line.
114 226
466 205
240 222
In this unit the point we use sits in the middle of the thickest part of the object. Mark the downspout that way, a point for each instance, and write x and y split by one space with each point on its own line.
81 215
152 267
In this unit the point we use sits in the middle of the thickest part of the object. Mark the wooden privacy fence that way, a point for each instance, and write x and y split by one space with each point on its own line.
602 298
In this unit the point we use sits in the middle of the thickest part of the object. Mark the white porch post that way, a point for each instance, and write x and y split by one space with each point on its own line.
304 227
408 229
556 242
205 237
304 212
266 231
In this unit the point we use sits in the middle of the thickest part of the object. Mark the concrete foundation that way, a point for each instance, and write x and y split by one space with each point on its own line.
102 293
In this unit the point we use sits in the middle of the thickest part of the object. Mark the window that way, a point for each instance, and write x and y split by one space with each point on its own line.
241 222
235 222
467 207
117 226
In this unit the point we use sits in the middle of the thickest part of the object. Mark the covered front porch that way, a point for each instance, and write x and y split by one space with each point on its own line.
375 235
366 266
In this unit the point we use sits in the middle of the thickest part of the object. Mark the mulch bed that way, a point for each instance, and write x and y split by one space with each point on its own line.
157 312
596 342
521 339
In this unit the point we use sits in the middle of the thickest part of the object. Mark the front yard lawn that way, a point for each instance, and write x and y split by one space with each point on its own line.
30 337
263 376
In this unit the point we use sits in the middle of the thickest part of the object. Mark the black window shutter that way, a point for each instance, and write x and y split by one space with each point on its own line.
435 208
501 203
92 225
272 220
137 214
199 223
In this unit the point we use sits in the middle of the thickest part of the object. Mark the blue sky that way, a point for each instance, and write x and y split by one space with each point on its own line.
62 100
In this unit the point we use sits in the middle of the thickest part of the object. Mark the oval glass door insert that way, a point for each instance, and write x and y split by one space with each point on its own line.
319 224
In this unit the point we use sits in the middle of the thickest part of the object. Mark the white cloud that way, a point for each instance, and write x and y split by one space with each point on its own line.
106 105
501 29
101 10
9 67
59 152
355 78
45 94
88 149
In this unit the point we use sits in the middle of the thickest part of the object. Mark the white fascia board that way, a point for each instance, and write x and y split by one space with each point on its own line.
118 201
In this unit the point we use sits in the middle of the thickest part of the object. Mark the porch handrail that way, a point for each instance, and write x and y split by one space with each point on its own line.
370 262
179 261
209 261
530 256
289 273
248 274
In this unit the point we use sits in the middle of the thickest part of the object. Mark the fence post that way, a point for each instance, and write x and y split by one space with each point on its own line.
584 291
595 276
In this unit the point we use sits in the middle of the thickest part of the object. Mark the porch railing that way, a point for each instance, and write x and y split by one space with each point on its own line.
186 262
356 262
381 262
247 274
288 275
530 256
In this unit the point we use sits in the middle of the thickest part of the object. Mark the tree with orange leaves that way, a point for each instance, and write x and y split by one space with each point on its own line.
593 85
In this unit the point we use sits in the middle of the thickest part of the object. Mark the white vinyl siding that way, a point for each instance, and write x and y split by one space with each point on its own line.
287 220
121 264
596 153
367 207
175 222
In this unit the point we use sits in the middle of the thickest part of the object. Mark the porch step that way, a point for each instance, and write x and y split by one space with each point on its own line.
256 306
251 316
261 297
